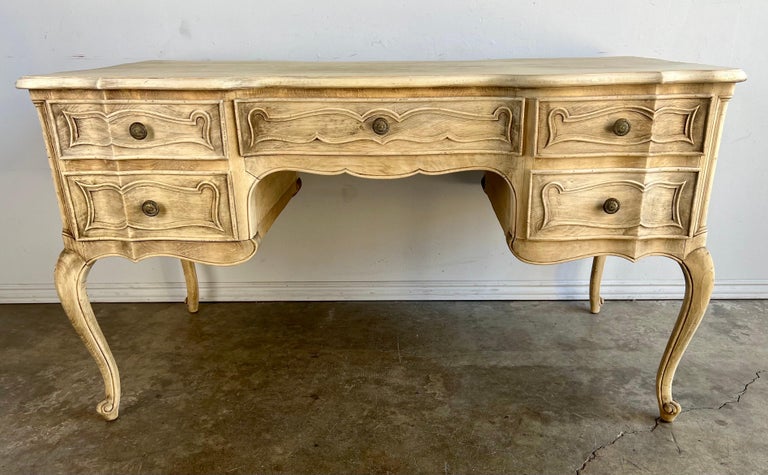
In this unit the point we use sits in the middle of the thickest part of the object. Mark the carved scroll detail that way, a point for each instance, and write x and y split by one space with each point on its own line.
128 193
443 124
560 118
97 128
571 219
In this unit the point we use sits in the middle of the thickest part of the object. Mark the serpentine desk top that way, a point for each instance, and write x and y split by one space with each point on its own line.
560 72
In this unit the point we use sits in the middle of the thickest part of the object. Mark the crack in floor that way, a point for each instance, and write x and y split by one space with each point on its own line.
735 400
743 391
593 455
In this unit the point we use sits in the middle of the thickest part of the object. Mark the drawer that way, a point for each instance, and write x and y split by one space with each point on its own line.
612 204
379 126
625 126
138 129
150 206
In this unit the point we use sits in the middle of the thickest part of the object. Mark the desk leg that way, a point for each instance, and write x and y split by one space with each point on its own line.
70 276
595 300
193 292
699 275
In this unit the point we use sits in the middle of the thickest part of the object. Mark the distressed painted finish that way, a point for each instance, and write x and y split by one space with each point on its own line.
583 158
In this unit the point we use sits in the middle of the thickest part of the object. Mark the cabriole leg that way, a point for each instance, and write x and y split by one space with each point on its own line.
699 275
595 300
70 276
193 292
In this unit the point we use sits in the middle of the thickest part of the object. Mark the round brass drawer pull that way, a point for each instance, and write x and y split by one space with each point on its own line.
150 208
138 130
380 126
621 127
611 206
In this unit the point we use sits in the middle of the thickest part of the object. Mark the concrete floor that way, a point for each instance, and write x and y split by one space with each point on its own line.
384 387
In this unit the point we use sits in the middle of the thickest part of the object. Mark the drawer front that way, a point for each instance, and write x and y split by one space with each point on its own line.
150 207
379 127
140 129
621 126
614 204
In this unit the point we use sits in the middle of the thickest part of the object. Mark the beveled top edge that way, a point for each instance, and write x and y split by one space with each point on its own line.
540 72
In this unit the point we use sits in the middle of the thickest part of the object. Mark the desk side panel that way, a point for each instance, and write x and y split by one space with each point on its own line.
43 115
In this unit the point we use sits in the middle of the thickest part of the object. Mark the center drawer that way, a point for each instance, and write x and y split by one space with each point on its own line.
337 126
157 206
612 204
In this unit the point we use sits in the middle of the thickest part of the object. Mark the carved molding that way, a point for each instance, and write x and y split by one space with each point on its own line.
556 187
197 128
94 220
344 126
561 115
453 122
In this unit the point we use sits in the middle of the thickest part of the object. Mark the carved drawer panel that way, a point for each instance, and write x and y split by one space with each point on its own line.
621 126
614 204
379 127
146 129
150 206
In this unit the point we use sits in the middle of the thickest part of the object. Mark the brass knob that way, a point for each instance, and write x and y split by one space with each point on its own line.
621 127
150 208
611 206
138 130
380 126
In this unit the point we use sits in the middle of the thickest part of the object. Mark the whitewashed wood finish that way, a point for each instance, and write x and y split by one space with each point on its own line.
193 290
479 125
100 129
596 276
653 203
109 206
225 141
699 272
70 275
508 73
584 126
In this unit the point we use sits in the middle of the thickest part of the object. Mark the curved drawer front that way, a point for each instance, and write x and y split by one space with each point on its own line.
150 206
616 204
145 129
621 126
379 127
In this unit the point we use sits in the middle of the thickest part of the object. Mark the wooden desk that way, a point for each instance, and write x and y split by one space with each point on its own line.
582 158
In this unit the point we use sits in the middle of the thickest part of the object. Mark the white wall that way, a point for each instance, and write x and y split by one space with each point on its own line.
344 237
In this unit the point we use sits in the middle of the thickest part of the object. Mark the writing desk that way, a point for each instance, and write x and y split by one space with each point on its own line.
195 160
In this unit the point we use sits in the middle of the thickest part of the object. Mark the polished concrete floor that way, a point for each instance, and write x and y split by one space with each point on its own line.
385 387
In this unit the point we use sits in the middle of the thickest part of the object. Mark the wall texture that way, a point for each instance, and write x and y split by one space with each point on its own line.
344 237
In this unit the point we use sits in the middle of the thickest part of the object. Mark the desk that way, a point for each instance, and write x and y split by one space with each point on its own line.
582 158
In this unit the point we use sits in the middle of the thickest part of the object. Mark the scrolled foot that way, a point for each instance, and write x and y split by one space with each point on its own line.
669 411
108 409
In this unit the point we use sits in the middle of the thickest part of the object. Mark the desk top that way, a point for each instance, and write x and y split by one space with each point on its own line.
218 75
